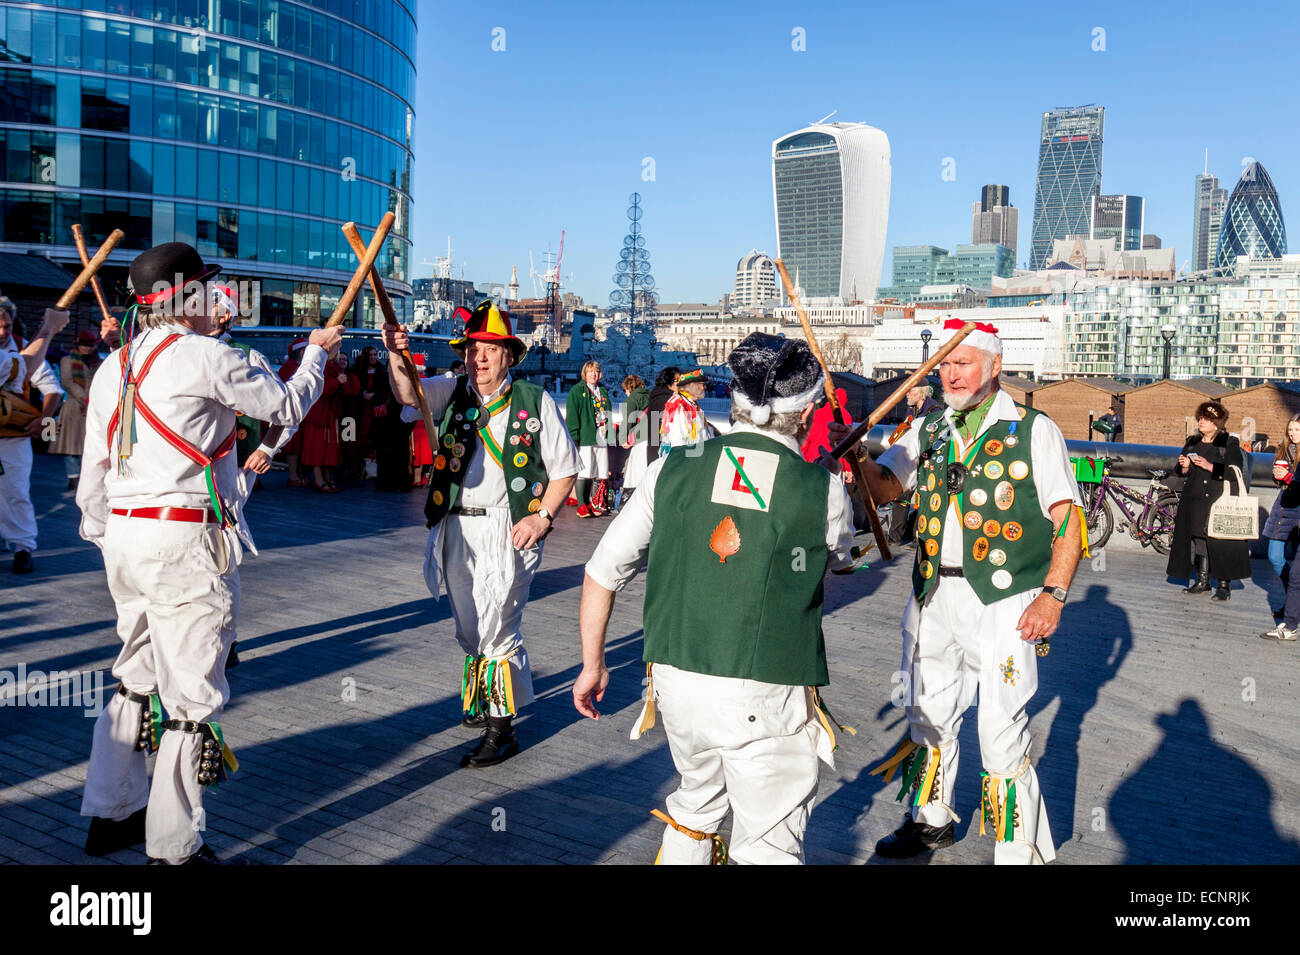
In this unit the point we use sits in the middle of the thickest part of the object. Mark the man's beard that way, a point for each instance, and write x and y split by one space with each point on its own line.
966 402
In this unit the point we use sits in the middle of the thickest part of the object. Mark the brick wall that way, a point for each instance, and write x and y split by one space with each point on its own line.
1068 403
1267 406
1158 413
1021 396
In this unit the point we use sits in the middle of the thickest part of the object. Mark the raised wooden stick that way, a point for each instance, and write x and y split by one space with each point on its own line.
80 241
363 269
859 478
89 269
901 391
386 306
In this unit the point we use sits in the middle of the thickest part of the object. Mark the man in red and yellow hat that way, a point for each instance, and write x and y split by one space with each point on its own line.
684 423
503 466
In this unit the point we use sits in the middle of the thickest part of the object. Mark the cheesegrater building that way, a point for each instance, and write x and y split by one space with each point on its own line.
830 186
251 129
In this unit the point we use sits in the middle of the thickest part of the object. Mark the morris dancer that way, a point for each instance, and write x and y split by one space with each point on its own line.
998 542
683 423
157 479
503 467
735 668
586 414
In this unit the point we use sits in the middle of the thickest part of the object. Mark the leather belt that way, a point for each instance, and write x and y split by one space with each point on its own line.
951 572
468 511
133 697
191 515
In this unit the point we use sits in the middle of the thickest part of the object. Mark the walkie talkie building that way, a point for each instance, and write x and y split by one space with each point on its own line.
830 184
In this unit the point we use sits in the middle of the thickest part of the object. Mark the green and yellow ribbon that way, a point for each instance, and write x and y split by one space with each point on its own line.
493 408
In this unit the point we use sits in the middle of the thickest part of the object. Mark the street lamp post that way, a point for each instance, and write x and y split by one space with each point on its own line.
1167 333
926 335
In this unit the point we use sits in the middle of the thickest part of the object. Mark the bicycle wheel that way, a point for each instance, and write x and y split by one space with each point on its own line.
1158 522
1101 523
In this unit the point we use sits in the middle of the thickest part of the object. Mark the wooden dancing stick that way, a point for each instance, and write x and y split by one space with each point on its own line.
80 241
363 269
386 306
859 478
89 269
901 391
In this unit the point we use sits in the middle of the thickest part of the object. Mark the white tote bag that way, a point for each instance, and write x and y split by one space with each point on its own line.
1234 516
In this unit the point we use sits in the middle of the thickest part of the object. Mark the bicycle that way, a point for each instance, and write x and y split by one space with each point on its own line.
1151 526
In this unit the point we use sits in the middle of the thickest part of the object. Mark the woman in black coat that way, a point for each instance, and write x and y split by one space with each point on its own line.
1206 461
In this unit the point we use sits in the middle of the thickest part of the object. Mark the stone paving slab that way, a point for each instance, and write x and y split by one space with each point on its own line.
1164 730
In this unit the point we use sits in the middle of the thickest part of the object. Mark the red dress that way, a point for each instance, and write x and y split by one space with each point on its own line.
421 452
320 429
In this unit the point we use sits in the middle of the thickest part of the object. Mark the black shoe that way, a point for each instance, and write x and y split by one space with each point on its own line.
479 720
232 658
110 835
1222 592
913 838
205 856
1201 585
23 562
497 745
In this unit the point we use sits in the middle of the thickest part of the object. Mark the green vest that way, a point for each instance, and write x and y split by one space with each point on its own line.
742 600
459 438
1006 541
248 431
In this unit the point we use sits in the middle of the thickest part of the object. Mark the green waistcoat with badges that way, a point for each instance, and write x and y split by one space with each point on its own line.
464 426
1006 540
737 555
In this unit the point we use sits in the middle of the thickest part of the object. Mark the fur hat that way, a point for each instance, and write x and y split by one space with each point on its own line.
1213 410
773 375
488 323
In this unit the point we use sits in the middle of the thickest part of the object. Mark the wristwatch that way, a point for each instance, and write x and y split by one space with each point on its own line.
544 513
1060 593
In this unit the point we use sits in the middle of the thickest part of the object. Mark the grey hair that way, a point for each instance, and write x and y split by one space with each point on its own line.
785 422
7 305
172 310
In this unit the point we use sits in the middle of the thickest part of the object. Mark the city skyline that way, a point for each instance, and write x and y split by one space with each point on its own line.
714 90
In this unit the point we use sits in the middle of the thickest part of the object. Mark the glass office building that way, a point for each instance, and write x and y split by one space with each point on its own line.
1118 217
251 129
1069 175
830 187
1252 222
1207 219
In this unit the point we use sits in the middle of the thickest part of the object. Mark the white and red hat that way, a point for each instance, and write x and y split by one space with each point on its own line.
984 337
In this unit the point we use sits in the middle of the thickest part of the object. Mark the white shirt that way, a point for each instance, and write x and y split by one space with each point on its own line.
258 360
484 481
43 378
1049 462
623 549
194 387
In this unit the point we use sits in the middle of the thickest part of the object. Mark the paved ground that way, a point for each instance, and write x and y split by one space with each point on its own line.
1165 731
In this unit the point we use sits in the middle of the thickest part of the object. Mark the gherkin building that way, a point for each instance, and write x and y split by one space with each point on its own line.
1252 221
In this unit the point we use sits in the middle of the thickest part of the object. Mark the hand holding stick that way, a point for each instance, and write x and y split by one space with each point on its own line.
859 479
386 307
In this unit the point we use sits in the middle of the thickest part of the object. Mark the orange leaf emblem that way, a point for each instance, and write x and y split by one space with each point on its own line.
725 539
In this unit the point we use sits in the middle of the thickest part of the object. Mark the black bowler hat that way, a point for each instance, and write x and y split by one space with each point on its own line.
163 271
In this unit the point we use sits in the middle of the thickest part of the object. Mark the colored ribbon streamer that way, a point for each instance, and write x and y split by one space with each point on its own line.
493 408
155 721
890 766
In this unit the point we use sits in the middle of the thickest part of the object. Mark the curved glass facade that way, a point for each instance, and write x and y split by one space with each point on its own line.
251 129
1252 222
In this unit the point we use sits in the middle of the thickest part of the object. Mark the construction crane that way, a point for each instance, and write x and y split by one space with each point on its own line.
553 288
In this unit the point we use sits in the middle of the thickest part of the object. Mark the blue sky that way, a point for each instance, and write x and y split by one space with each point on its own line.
512 146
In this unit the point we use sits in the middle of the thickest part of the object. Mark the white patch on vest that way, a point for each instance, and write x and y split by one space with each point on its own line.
729 487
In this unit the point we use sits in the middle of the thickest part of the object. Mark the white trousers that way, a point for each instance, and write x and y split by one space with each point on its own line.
953 647
176 587
593 462
487 582
17 516
741 745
